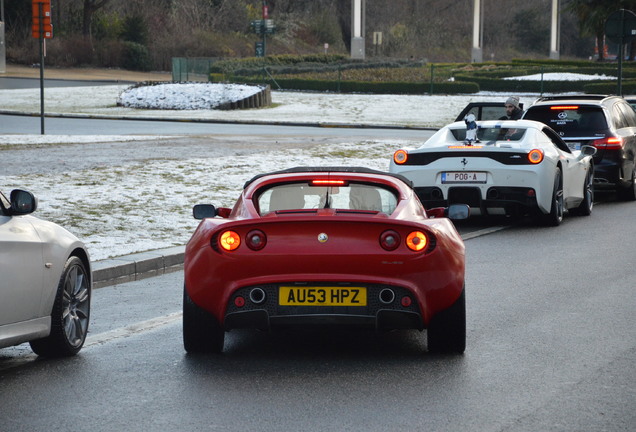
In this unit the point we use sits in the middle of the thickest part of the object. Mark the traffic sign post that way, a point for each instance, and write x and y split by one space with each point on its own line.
263 27
620 28
41 29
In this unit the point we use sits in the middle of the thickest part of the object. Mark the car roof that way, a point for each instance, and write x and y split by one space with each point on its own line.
324 169
592 99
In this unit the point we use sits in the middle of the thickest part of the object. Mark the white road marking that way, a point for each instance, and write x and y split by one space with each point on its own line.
131 330
483 232
25 355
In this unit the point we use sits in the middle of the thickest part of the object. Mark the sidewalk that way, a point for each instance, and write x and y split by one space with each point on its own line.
84 74
137 266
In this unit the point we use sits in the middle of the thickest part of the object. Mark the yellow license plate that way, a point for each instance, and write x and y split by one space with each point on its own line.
322 296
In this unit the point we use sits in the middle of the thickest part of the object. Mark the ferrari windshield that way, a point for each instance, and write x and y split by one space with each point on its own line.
315 195
491 134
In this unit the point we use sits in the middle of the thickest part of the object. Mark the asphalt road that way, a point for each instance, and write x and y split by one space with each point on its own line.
551 347
25 83
19 124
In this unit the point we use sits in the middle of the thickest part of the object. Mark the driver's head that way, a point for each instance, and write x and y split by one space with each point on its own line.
511 104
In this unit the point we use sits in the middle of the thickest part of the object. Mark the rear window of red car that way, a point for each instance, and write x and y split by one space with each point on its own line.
349 196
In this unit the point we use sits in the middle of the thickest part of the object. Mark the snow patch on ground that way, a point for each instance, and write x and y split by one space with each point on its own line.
560 76
185 96
119 210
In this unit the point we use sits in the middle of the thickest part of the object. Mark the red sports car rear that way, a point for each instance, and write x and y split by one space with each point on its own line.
324 246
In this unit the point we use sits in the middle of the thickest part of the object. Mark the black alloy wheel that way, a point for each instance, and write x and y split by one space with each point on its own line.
586 206
555 217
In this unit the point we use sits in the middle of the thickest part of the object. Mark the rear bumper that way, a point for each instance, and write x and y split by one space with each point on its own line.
483 198
609 175
385 310
384 320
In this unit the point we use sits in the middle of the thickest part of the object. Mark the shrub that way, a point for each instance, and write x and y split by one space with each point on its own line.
136 57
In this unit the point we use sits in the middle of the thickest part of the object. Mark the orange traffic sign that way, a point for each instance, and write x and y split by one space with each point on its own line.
41 19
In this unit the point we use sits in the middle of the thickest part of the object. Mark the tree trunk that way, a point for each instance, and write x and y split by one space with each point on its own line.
90 7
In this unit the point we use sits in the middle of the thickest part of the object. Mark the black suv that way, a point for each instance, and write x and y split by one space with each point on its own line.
605 122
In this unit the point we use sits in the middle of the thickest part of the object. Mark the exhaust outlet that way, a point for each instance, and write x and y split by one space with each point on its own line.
257 295
387 296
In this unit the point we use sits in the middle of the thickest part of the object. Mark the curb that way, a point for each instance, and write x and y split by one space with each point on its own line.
137 266
217 121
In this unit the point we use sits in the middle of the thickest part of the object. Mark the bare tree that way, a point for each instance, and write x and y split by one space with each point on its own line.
90 7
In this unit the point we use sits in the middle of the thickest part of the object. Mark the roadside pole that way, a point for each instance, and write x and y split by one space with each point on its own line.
41 29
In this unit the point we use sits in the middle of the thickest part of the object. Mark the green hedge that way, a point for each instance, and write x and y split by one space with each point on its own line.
258 63
627 86
362 87
523 86
469 77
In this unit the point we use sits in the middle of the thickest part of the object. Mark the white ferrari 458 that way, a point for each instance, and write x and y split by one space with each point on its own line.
513 167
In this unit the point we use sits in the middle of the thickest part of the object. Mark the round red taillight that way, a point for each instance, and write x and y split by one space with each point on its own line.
256 240
229 240
400 157
535 156
239 301
389 240
416 241
406 301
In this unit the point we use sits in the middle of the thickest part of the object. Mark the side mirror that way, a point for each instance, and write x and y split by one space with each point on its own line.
587 150
22 202
203 211
453 212
458 211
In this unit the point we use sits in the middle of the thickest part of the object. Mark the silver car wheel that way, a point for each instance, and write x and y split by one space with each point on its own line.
76 306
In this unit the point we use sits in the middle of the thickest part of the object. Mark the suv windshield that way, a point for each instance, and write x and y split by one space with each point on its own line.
570 120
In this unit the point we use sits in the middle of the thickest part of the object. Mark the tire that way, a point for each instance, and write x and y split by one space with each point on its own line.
70 315
629 193
586 206
447 330
201 331
555 217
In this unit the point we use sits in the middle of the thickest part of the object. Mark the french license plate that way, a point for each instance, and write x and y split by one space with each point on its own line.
322 296
464 177
574 145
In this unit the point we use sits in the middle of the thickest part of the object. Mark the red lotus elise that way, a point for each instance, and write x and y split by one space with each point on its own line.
325 246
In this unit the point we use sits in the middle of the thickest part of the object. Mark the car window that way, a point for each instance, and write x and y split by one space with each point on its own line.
487 112
492 134
570 120
617 118
629 116
349 196
557 141
493 113
4 203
